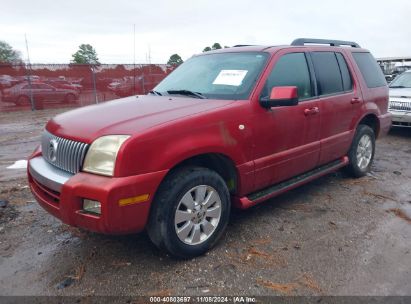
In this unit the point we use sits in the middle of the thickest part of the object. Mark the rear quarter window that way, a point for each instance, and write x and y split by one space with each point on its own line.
370 70
345 73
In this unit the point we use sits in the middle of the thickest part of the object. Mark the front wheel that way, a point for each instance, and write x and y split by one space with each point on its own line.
190 212
362 151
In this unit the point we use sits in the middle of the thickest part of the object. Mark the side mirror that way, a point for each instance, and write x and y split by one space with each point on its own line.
281 97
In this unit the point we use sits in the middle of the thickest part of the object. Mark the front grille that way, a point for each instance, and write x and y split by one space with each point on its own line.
400 105
65 154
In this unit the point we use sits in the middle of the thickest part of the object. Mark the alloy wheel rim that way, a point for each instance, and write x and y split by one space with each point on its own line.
197 215
364 151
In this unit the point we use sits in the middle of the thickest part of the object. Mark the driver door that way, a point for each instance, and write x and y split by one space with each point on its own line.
287 138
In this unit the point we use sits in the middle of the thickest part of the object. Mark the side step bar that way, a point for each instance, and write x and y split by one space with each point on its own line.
274 190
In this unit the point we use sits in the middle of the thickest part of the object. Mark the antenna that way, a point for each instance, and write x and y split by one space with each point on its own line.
134 59
28 73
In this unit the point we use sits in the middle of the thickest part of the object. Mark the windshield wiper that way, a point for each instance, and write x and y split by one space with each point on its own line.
155 93
187 92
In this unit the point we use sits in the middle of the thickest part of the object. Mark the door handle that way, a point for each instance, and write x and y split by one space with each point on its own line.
311 111
355 100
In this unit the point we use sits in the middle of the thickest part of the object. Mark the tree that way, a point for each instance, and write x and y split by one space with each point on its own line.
86 54
216 46
7 54
175 59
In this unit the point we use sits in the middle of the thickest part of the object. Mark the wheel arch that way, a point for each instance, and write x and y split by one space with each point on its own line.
218 162
371 120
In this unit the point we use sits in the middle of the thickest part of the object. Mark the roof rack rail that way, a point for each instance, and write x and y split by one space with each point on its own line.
240 45
303 41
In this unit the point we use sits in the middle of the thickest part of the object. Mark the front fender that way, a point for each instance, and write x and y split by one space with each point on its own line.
165 147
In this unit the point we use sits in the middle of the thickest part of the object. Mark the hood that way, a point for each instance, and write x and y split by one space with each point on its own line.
130 115
400 92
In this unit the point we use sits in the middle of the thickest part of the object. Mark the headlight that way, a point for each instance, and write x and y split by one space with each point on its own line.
101 157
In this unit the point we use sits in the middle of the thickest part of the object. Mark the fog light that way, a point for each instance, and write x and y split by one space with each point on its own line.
91 206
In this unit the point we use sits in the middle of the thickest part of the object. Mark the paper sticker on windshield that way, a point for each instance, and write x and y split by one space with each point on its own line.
230 77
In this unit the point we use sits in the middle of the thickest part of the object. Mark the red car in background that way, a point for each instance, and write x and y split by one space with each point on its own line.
20 93
64 84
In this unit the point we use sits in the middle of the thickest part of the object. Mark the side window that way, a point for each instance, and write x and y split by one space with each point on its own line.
290 70
370 70
327 73
345 73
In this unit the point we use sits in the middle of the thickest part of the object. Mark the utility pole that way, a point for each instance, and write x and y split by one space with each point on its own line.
28 73
93 75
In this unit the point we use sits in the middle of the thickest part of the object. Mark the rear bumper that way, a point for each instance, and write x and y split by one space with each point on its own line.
385 123
62 194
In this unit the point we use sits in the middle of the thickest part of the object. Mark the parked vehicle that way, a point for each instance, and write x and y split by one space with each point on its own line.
126 87
233 126
400 100
42 92
400 69
7 81
64 84
141 84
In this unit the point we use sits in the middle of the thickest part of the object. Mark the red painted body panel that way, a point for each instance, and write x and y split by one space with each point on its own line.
265 146
114 219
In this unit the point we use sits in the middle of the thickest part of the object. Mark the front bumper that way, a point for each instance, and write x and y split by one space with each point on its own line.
401 118
62 194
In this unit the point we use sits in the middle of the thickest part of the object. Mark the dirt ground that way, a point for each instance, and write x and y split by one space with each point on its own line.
334 236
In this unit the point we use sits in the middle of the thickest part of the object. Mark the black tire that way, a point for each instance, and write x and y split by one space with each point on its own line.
162 227
354 167
70 98
23 100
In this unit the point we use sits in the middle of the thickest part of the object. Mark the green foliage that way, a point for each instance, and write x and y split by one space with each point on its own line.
7 54
175 59
86 54
216 46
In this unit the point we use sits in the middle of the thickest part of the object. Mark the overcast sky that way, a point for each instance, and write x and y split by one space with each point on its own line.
55 29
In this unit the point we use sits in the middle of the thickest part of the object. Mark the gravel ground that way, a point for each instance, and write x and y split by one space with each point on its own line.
333 236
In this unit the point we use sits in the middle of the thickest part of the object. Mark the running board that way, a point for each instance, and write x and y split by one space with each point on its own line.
274 190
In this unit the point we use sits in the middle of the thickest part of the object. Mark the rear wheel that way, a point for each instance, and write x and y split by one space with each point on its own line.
190 212
362 151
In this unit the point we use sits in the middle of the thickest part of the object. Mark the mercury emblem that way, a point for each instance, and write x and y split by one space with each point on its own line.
53 150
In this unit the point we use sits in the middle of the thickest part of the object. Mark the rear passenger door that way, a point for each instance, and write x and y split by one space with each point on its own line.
339 100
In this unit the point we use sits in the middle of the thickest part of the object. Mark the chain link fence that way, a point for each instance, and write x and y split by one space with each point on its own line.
44 86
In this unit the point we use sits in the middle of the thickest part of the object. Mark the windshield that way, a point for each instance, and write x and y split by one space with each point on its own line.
402 81
219 76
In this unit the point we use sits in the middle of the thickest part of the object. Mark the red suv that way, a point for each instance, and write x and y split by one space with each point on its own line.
234 126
